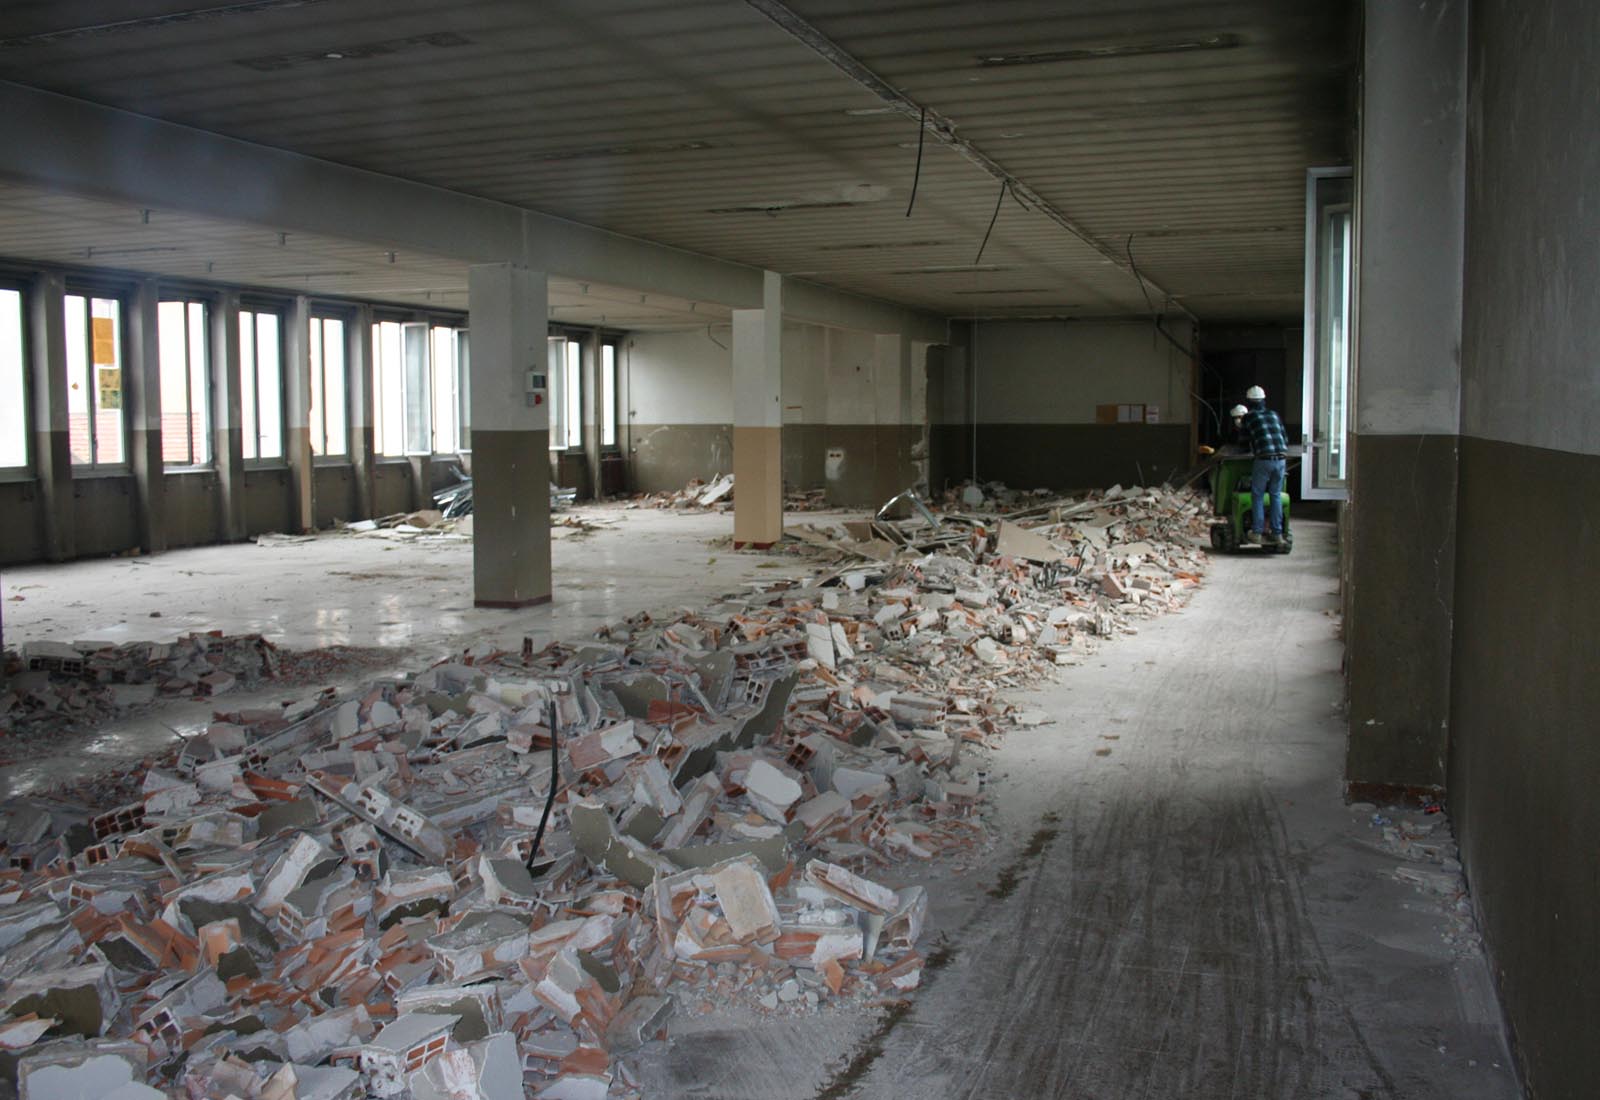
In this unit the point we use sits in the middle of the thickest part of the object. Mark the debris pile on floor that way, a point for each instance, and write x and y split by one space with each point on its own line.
717 494
1424 840
346 897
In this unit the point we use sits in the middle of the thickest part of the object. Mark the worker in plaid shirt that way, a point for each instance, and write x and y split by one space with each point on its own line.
1269 443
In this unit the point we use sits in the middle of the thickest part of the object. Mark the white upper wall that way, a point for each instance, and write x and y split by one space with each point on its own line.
1056 372
1531 336
1413 151
680 377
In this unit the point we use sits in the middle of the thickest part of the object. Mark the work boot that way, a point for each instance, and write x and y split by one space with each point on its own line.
1271 539
1252 538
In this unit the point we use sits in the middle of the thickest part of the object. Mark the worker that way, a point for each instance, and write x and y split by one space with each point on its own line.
1269 445
1239 441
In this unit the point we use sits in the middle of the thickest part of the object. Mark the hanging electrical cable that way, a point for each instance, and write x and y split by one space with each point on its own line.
1155 317
916 178
1005 187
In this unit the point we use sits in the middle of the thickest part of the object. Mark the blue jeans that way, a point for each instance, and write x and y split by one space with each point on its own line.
1266 475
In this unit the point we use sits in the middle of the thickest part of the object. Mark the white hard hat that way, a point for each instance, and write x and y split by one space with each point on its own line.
1255 393
1238 411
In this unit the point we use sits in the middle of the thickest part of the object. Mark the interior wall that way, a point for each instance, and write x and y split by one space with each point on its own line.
1524 754
1037 387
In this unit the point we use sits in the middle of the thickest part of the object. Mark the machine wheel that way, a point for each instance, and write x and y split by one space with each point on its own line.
1218 533
1227 541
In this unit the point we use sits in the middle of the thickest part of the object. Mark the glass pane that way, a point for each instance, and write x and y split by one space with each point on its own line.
106 353
608 395
314 399
336 411
248 420
173 337
13 386
199 383
464 386
1333 427
553 396
80 424
572 415
419 440
269 386
444 390
388 390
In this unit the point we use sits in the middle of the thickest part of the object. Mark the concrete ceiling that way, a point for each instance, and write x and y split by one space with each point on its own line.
787 138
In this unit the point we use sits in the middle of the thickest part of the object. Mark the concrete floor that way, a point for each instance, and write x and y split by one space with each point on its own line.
1179 903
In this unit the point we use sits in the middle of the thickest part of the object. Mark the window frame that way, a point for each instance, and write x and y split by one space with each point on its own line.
256 307
90 291
614 345
561 402
1325 198
25 471
206 403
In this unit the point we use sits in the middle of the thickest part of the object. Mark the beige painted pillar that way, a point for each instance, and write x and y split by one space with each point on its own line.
509 319
297 413
758 419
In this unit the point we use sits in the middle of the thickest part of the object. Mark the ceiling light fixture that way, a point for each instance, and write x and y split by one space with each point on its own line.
866 246
862 112
1010 290
91 253
949 269
360 52
623 150
1126 49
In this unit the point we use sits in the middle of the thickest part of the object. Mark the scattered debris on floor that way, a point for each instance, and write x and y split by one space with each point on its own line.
344 897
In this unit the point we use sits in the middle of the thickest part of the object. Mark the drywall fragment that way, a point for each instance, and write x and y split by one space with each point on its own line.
1019 542
72 1069
577 1086
597 838
406 1044
852 889
482 943
306 856
489 1069
81 997
773 852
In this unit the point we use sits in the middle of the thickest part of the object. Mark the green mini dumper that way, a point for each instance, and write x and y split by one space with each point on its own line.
1230 482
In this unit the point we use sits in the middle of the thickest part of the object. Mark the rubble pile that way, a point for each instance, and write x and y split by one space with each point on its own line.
505 873
1423 839
716 495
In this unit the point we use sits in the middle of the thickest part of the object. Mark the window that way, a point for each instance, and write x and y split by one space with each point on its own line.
13 383
1325 467
260 385
566 393
464 386
446 391
608 395
388 391
185 419
330 413
419 421
94 381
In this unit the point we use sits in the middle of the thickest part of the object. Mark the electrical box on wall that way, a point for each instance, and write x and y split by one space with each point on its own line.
538 385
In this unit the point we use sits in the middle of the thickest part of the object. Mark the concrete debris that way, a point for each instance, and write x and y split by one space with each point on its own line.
341 899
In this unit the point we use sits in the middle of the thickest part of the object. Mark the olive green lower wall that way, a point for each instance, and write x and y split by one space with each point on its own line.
191 510
104 515
334 495
1401 575
21 535
1525 742
1063 456
664 457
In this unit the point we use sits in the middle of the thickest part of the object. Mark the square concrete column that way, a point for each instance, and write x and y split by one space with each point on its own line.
358 381
47 389
758 419
144 415
509 315
227 414
297 413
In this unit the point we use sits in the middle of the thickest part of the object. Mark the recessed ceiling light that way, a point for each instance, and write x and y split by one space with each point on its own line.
334 55
1124 49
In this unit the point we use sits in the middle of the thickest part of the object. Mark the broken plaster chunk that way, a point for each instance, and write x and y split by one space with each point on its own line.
71 1069
595 835
411 1040
576 1086
594 750
819 644
771 791
745 900
638 1022
490 1069
81 997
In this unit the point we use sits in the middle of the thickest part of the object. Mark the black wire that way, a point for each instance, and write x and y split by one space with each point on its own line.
922 136
550 799
1162 330
713 339
1005 185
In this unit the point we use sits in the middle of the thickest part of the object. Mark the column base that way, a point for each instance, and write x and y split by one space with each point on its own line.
512 605
737 545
